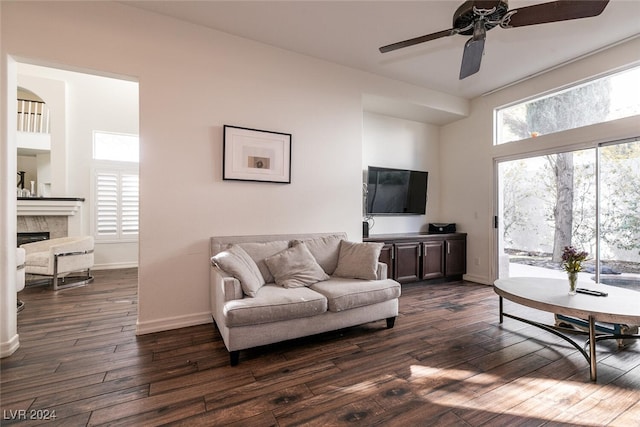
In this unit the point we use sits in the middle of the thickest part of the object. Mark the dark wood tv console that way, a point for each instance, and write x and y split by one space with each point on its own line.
413 257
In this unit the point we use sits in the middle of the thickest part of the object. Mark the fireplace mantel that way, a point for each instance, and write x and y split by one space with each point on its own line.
80 199
46 214
49 206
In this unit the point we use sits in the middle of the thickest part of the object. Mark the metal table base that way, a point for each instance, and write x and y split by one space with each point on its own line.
591 342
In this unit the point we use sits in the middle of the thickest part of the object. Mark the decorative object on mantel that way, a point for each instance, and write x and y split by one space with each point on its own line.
572 264
21 181
256 155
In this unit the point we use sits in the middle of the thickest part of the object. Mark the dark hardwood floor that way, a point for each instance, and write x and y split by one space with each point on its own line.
446 362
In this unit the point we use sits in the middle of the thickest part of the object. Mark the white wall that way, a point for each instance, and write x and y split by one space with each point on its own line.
403 144
193 80
467 152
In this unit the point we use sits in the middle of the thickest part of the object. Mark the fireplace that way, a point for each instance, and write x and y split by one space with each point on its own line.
60 216
32 236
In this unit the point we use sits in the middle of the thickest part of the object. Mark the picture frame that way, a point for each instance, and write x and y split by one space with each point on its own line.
256 155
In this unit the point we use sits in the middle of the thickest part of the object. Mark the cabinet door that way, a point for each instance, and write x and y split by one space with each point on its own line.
455 257
407 262
433 259
386 257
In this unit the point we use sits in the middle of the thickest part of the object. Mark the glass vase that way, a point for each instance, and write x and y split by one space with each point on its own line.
573 282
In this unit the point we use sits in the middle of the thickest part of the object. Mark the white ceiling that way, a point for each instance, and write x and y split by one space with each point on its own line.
350 33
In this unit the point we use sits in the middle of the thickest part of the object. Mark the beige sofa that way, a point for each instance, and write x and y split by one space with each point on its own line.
267 289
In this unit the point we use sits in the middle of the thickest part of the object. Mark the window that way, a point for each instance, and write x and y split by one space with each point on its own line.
115 187
115 146
116 205
601 100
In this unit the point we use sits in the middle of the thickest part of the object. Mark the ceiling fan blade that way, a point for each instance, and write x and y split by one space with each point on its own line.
473 50
417 40
562 10
471 57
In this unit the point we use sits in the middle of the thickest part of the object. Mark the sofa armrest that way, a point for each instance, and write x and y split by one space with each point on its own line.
232 289
382 271
224 287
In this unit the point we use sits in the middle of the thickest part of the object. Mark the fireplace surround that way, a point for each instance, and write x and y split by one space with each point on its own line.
59 216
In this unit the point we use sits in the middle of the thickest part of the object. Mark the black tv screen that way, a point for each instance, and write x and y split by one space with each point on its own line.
396 191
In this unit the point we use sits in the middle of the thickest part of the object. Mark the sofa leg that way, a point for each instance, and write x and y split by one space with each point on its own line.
234 357
390 322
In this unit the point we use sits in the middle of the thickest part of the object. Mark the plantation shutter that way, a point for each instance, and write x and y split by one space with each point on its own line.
129 204
107 204
116 205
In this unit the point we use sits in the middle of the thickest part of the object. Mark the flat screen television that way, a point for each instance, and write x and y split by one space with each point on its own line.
396 191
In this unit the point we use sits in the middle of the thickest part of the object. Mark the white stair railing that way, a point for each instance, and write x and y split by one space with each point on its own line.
33 116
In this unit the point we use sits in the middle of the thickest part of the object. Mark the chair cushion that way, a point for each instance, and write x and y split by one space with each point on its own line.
239 264
358 260
344 294
295 267
274 303
37 259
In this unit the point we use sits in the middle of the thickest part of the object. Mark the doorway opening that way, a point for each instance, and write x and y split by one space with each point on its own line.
78 105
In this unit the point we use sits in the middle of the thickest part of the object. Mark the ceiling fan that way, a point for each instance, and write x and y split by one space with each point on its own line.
476 17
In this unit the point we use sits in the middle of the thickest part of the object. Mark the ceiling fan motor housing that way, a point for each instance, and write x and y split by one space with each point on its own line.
465 15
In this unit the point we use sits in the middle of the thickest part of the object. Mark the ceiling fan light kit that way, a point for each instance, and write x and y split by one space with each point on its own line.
476 17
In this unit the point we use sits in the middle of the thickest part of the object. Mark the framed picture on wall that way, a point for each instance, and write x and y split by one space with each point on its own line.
256 155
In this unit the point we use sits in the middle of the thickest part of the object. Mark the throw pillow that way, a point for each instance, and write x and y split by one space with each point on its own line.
358 260
325 250
239 264
258 251
295 267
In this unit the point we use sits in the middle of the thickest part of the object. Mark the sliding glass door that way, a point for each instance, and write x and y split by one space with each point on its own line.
619 214
589 199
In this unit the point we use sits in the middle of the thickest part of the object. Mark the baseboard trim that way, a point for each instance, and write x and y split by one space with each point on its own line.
477 279
115 266
170 323
7 348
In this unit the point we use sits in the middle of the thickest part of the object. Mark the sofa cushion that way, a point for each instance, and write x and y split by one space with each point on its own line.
258 251
273 303
325 250
358 260
295 267
239 264
344 294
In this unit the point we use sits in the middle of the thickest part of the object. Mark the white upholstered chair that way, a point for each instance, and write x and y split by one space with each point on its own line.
20 276
57 258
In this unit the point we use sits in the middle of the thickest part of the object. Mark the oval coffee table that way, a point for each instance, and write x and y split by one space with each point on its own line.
620 306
